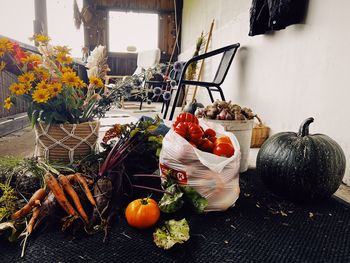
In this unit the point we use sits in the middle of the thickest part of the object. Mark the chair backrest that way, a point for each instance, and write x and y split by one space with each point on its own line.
147 59
224 65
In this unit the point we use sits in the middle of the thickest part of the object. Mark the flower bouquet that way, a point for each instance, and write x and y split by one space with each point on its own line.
62 107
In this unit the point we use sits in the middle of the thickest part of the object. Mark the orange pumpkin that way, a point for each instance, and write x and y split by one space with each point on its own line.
142 213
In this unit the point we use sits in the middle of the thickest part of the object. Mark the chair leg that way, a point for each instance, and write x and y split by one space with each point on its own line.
141 104
210 94
167 104
221 94
173 107
161 111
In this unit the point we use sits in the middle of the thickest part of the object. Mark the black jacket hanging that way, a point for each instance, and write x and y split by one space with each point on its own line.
266 15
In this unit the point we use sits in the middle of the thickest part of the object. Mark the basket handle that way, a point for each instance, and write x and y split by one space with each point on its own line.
259 120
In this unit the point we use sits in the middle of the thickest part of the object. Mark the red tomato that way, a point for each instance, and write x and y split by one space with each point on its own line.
182 129
193 144
209 133
195 132
206 145
224 149
223 139
185 117
212 139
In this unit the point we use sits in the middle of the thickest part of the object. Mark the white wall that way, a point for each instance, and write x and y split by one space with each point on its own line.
288 75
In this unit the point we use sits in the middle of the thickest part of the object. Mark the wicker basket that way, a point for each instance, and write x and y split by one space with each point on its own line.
66 142
260 134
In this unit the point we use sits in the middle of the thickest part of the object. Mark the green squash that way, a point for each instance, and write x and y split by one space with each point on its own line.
301 166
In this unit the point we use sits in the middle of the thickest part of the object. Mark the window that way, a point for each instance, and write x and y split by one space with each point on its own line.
61 27
16 20
132 29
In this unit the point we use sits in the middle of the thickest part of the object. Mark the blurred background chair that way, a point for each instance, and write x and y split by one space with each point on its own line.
228 53
145 59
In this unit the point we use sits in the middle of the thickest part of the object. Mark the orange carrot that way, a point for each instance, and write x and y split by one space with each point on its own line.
35 215
69 189
56 189
35 200
83 183
72 177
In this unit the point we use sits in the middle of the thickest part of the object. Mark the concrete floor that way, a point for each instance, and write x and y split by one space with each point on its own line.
22 143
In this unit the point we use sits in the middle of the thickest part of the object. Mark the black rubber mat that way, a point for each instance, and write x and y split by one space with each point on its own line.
260 228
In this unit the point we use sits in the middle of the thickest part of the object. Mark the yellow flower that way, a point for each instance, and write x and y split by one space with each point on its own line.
43 85
41 38
81 84
2 66
41 73
26 77
5 46
70 78
41 95
31 58
63 59
17 88
8 103
65 69
96 82
62 49
55 89
27 87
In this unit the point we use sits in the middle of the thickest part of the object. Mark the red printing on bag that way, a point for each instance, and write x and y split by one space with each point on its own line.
179 176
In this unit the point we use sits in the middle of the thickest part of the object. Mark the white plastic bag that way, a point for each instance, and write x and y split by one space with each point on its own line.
216 178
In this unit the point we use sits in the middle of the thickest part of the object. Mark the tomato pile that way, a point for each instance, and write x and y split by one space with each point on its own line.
187 126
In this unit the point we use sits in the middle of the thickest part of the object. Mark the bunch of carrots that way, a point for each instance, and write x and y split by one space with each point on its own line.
44 200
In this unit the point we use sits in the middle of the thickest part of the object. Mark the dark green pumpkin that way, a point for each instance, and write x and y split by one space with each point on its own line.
301 166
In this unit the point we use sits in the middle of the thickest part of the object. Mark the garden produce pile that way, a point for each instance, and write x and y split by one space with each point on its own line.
223 110
89 195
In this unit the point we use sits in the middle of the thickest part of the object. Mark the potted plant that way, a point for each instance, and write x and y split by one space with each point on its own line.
62 108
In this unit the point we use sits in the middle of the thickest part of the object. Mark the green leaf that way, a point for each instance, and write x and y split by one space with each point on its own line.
71 103
58 117
171 233
172 202
198 202
30 111
34 117
157 139
134 132
158 152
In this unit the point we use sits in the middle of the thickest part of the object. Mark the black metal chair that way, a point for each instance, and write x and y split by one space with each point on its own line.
228 54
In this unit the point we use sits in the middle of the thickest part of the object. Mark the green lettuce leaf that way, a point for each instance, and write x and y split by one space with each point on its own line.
171 202
198 202
171 233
